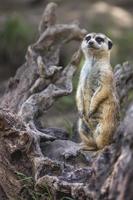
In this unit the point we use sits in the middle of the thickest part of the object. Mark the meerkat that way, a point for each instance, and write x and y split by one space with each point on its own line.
96 96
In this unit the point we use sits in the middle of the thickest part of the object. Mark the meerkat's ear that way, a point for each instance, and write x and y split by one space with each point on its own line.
110 44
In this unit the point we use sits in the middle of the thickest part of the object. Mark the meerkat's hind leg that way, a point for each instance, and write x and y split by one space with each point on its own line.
88 142
85 147
103 135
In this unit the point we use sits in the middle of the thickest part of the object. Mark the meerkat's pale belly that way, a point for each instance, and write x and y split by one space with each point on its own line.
89 79
84 74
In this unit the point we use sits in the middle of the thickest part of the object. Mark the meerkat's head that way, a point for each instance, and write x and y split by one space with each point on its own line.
96 43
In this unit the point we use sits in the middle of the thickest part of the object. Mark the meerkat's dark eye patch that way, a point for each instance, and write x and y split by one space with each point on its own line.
110 44
88 38
99 39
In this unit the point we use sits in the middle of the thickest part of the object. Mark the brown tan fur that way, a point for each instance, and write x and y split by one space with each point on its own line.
96 96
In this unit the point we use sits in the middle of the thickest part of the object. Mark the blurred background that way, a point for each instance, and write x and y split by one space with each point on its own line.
18 28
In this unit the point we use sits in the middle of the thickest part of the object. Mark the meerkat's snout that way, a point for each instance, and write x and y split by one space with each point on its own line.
91 43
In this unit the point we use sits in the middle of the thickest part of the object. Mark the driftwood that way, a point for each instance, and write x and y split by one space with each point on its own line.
42 163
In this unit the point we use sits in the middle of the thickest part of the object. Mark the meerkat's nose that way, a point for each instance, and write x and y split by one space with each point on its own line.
91 43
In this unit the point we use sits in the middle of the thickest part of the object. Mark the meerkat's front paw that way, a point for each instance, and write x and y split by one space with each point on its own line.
90 113
81 114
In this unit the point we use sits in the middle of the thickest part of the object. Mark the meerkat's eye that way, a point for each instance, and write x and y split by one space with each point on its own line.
99 39
88 38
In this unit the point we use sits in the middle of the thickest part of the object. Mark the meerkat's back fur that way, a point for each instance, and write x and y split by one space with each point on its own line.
96 96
